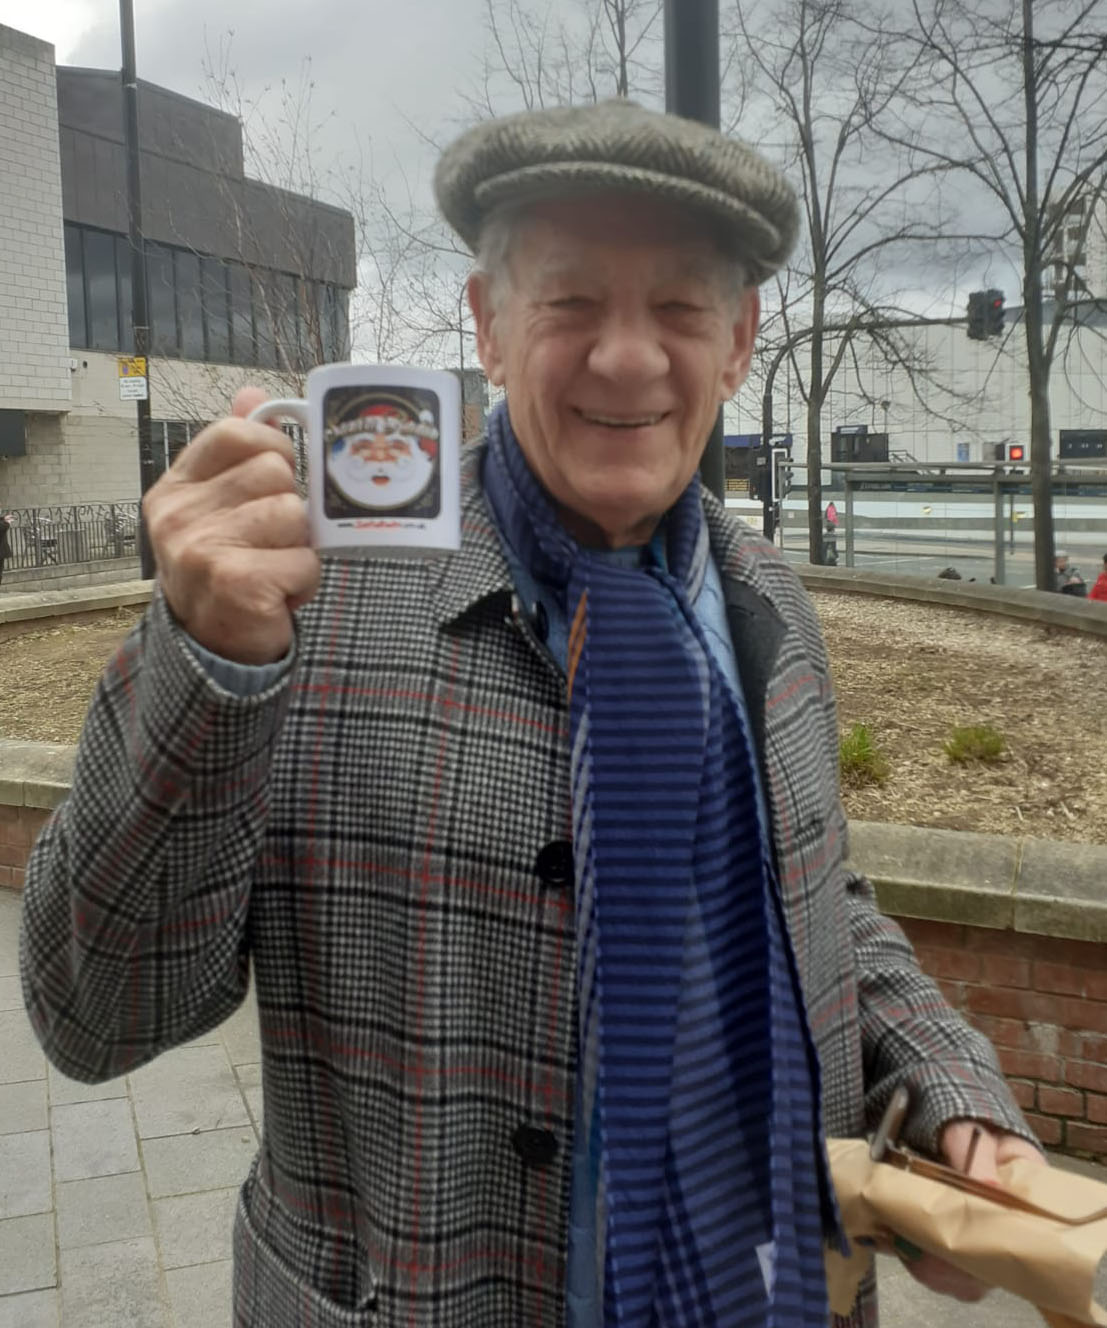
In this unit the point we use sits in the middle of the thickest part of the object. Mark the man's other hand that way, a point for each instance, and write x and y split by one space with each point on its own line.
230 536
956 1146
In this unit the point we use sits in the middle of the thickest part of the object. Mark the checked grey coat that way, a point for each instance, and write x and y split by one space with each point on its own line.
382 837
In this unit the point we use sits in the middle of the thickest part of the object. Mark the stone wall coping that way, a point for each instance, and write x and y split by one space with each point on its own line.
1042 887
35 774
1036 606
23 606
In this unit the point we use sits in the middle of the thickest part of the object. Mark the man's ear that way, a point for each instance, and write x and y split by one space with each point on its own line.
744 332
479 290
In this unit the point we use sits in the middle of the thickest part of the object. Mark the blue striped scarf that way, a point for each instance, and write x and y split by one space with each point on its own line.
697 1071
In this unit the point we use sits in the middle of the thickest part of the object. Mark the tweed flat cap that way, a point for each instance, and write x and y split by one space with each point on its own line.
619 145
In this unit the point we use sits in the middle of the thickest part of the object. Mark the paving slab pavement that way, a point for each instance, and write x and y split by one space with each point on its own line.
116 1199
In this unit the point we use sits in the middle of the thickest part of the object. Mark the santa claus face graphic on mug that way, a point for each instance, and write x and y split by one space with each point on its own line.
383 457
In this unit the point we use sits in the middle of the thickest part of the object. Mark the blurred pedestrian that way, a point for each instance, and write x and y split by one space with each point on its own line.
1067 578
6 520
1099 590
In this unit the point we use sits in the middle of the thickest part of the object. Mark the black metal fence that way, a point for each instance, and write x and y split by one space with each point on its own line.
87 532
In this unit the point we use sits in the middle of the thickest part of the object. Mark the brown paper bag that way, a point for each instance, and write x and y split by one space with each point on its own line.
1050 1256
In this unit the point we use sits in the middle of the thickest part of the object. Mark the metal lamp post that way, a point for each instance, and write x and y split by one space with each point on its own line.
140 320
692 90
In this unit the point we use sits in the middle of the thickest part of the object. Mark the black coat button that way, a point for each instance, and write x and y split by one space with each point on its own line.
537 1147
554 864
541 621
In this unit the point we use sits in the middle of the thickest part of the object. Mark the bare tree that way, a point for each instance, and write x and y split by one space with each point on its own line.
822 75
1013 97
538 54
296 254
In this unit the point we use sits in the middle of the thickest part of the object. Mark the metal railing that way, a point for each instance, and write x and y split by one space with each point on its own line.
86 532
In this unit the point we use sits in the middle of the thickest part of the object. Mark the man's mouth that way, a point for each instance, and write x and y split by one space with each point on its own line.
622 421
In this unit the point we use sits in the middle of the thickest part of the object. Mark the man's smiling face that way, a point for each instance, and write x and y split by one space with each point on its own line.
617 336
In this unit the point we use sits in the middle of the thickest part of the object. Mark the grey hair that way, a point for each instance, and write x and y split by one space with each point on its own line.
501 229
493 257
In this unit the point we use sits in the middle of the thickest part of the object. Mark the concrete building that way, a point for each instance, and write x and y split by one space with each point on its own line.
1080 248
246 282
959 399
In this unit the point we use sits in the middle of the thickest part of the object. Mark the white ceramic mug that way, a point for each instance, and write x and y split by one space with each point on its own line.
383 448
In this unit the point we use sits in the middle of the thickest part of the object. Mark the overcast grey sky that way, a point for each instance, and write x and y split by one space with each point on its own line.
379 67
376 63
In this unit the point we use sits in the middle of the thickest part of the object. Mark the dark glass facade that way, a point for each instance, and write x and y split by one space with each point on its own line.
201 307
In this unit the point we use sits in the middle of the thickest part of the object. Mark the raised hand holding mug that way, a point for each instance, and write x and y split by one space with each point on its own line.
383 448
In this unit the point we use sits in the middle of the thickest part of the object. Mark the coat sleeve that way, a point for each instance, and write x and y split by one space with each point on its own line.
138 889
910 1034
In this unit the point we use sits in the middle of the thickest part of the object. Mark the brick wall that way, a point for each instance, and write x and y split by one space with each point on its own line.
18 828
1043 1002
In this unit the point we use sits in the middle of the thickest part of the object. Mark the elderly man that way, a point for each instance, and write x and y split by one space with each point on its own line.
535 852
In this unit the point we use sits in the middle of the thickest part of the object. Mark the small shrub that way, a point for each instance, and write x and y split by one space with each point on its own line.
975 742
860 761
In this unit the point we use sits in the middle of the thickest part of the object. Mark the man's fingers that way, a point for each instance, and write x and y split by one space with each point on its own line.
980 1159
942 1277
969 1147
261 475
276 521
227 443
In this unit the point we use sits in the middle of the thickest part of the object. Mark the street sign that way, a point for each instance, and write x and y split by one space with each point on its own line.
132 378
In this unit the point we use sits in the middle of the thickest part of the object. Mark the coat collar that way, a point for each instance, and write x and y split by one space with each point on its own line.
479 571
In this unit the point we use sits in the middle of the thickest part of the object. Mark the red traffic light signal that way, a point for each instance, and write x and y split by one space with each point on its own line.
986 314
1016 452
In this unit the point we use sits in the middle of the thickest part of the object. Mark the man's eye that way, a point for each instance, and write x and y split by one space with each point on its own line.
570 302
680 307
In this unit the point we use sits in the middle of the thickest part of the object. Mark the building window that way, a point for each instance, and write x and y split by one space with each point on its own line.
263 320
243 348
190 313
168 438
217 314
161 298
101 293
124 270
200 307
75 287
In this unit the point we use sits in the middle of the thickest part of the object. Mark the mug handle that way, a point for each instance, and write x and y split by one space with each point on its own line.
297 407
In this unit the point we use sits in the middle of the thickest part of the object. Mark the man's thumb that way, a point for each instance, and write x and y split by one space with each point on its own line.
247 399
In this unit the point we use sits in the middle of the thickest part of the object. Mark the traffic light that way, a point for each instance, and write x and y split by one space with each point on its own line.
994 313
1016 452
782 473
986 314
977 330
1000 451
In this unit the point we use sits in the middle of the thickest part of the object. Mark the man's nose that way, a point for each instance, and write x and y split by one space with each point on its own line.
628 349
